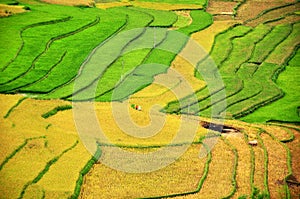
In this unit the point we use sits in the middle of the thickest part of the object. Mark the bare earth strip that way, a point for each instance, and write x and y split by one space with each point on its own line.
286 20
277 167
220 7
251 8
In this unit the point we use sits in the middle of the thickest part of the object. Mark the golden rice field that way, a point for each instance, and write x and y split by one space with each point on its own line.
151 5
26 126
46 157
180 177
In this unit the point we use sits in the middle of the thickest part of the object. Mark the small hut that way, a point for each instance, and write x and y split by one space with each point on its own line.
253 142
136 107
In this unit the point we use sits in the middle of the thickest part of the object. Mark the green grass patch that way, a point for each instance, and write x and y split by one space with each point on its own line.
42 51
182 21
11 35
48 64
158 60
270 92
269 43
239 51
200 21
135 54
285 49
71 63
285 109
161 18
9 2
222 46
250 89
216 101
40 64
103 56
242 48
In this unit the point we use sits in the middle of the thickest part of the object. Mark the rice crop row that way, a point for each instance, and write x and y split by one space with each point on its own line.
46 168
288 46
286 108
269 43
161 18
270 9
55 110
143 75
266 191
40 72
56 49
10 156
260 91
277 165
233 179
36 76
274 13
157 184
31 48
13 107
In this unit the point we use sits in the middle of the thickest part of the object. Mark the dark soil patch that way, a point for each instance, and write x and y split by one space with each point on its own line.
219 127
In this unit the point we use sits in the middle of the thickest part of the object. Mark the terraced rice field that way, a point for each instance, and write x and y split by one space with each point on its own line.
210 76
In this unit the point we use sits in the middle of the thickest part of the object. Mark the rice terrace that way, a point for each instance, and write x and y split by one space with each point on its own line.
150 99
